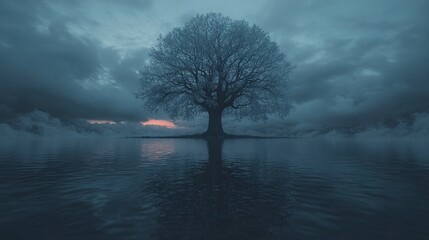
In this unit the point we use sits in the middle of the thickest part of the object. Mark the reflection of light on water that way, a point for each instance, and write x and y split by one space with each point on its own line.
157 149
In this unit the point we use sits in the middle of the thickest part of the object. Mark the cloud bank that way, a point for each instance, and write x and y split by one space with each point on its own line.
360 66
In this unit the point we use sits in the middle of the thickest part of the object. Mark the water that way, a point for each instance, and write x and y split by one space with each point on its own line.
194 189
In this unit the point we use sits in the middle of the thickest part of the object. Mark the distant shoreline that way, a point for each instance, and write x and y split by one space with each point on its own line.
200 136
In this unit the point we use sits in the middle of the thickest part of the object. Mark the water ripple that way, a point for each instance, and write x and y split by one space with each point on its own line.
193 189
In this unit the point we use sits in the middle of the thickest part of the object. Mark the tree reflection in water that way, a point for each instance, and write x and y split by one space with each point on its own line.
220 202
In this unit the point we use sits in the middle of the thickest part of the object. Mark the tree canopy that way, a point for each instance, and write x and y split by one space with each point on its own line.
217 65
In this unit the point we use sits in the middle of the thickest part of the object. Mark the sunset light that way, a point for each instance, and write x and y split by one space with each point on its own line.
159 123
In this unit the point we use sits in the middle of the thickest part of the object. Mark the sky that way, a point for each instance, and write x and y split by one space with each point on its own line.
70 67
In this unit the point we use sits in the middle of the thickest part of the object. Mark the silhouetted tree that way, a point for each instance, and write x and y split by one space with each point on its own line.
216 65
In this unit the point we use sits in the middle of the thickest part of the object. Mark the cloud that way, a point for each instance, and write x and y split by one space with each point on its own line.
41 124
359 71
418 128
356 67
44 66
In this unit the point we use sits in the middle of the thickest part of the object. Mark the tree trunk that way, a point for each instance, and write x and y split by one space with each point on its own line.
214 128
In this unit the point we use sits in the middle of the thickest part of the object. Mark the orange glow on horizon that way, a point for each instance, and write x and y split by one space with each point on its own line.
159 123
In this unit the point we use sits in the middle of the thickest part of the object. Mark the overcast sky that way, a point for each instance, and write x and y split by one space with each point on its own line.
360 65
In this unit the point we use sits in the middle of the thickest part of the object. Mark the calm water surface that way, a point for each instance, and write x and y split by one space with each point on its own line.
194 189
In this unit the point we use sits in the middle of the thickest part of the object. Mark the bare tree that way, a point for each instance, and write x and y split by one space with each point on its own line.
216 65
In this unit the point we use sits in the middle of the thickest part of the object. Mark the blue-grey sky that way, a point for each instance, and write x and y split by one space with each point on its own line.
361 66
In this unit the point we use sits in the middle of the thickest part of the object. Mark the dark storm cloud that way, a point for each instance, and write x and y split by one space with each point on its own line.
361 66
45 67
